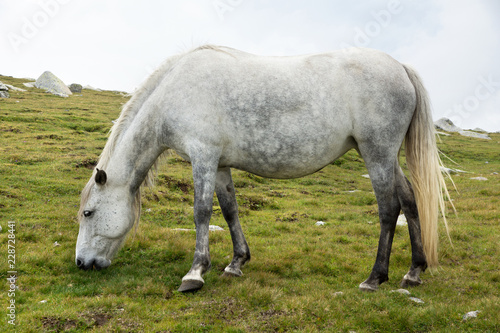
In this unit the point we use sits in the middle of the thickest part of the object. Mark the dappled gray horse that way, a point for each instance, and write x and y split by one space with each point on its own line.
276 117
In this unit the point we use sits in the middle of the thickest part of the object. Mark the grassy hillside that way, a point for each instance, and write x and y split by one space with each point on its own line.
302 277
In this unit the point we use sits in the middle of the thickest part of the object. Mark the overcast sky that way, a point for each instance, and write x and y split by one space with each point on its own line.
115 44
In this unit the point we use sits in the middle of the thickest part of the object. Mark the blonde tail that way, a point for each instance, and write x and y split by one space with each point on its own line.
424 163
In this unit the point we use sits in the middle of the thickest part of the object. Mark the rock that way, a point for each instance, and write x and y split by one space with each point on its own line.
402 220
447 125
474 135
75 88
471 314
417 300
443 133
52 84
451 171
91 88
11 87
366 176
320 223
479 178
4 91
401 291
215 228
29 84
477 129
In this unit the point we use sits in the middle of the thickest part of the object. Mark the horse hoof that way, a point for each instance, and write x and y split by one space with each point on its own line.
407 282
228 272
367 287
190 285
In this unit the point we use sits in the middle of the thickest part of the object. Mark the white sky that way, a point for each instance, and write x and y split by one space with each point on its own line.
115 44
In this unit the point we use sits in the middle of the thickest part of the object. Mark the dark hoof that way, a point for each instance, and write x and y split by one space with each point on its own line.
190 285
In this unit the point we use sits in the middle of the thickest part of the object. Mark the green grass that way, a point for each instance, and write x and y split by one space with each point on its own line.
48 147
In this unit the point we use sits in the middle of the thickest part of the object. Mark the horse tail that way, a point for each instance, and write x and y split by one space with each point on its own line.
424 163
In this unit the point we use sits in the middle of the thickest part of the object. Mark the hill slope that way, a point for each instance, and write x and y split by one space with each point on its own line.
50 144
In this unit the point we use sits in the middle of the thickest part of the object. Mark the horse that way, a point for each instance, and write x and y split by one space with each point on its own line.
276 117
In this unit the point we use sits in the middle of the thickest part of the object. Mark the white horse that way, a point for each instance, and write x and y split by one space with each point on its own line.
277 117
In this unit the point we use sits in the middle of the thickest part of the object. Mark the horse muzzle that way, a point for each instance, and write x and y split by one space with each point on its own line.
97 263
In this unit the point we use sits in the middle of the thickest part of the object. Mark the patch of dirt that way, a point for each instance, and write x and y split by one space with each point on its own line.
89 163
175 184
56 324
293 217
253 202
51 136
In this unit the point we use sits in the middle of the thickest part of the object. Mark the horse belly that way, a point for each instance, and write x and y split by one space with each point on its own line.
281 155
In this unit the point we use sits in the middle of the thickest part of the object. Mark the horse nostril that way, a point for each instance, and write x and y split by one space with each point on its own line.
79 263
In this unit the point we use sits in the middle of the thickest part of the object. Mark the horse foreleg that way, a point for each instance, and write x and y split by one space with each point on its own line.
204 183
409 207
227 200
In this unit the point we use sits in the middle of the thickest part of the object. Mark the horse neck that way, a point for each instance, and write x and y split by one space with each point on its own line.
133 156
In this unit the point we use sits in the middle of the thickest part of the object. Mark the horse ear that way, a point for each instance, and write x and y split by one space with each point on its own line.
100 177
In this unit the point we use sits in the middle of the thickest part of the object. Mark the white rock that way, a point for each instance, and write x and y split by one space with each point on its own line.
443 133
338 293
320 223
479 178
447 125
477 129
44 301
474 135
402 220
91 88
366 176
29 84
215 228
416 300
52 84
401 291
471 314
56 244
11 87
452 171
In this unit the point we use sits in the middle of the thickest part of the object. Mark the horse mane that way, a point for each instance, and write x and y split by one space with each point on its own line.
127 115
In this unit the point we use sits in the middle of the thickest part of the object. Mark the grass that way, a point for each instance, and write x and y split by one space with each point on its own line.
48 148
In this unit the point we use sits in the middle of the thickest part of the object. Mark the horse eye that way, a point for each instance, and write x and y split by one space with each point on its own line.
87 213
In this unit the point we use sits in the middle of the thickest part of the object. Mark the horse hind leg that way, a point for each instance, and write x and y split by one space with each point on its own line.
381 169
409 207
224 188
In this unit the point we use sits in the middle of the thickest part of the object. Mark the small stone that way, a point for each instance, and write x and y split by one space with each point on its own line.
338 293
320 223
401 291
215 228
44 301
56 244
366 176
417 300
402 220
479 178
471 314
